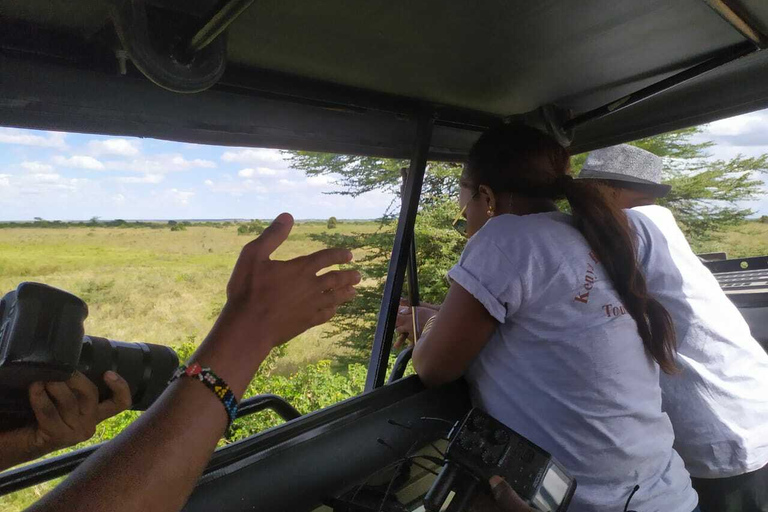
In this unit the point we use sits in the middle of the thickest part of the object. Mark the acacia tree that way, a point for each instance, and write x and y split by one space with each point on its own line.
437 244
704 198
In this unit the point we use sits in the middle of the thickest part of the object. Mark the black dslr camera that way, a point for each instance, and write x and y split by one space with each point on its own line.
42 339
481 447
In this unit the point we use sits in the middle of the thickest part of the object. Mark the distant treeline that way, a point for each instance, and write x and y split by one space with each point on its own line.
244 226
116 223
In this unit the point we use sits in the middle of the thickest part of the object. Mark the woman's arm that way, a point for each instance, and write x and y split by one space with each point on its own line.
155 464
459 333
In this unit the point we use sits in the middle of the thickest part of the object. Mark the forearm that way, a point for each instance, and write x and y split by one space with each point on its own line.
428 365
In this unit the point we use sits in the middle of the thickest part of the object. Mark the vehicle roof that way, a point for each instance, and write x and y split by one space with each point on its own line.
349 76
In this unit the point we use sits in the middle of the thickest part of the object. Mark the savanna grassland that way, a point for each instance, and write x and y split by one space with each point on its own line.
152 285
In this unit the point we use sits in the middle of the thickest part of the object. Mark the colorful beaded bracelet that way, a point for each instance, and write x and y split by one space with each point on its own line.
213 382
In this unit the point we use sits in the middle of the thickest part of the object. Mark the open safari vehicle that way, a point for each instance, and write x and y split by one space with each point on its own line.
418 81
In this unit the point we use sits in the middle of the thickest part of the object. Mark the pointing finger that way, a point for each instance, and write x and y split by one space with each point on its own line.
270 239
274 236
259 249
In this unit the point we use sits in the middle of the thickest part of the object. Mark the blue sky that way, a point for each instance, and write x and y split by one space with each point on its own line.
74 176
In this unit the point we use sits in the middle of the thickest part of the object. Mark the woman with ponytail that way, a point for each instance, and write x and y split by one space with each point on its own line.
550 321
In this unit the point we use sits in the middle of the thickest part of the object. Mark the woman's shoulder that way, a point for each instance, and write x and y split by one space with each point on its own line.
539 226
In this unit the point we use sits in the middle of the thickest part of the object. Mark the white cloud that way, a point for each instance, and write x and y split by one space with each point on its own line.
236 188
79 162
249 172
160 164
121 147
45 177
289 183
5 180
147 178
318 181
36 167
180 197
118 198
246 156
25 138
746 134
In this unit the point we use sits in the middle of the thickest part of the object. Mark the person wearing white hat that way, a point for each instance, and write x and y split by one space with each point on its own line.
718 403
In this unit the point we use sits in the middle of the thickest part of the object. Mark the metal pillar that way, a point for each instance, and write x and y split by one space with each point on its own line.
390 301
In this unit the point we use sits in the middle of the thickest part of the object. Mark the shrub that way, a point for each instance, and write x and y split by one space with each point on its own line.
255 227
332 223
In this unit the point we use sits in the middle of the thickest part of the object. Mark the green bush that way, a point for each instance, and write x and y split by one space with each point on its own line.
255 227
332 223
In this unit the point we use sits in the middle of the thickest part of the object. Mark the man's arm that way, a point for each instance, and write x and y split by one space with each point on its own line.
155 463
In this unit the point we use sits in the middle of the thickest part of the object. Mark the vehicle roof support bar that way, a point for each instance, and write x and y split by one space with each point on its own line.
738 20
390 301
636 97
217 24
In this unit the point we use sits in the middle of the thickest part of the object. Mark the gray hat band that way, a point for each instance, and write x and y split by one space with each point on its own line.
594 174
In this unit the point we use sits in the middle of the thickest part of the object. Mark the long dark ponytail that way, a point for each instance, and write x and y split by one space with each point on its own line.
524 161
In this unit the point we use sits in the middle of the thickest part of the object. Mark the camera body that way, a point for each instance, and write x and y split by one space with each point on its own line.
481 447
42 339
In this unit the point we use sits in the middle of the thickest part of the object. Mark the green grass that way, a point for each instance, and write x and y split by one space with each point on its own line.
748 239
152 285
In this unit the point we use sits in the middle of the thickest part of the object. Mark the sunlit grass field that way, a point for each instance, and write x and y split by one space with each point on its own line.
748 239
153 285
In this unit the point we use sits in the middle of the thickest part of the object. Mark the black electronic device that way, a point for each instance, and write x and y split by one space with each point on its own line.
481 447
42 339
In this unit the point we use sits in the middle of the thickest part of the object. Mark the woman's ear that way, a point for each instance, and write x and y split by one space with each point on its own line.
489 199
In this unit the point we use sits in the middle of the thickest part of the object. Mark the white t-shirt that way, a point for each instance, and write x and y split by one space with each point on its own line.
718 404
566 368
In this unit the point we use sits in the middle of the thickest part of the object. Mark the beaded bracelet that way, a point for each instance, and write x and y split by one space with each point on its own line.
213 382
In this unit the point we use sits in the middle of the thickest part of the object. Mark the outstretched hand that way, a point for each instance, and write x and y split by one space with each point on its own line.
270 302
